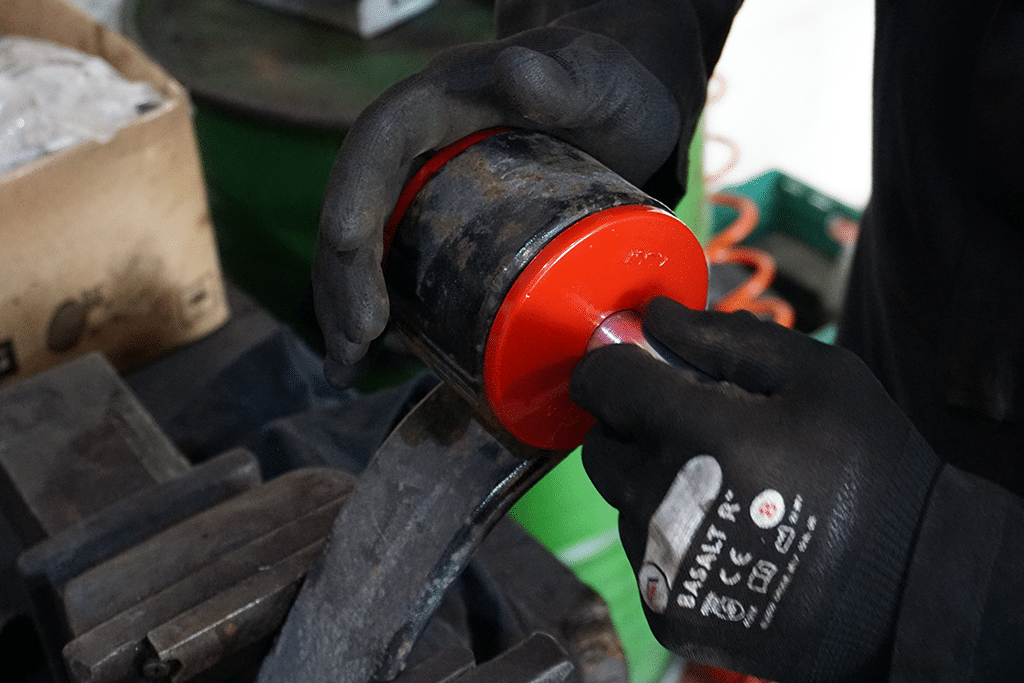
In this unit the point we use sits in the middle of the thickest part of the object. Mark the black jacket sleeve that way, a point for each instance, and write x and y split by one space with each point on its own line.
962 615
679 41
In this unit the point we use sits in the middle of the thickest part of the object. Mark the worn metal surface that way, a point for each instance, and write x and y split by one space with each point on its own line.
444 666
46 567
561 605
276 516
271 65
538 659
205 638
429 496
138 516
512 589
217 557
472 229
73 441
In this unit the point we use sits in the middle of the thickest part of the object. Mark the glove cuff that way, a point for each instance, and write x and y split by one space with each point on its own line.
857 641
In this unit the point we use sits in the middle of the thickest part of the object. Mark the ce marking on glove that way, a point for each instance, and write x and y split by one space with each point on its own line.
725 579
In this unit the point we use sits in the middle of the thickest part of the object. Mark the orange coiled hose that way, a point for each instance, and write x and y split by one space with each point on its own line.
749 296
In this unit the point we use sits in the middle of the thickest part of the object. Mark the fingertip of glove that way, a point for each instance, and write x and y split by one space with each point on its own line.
516 67
538 87
672 322
581 379
586 378
600 371
663 306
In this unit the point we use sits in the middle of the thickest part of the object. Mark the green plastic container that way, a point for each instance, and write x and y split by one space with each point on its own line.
788 206
798 228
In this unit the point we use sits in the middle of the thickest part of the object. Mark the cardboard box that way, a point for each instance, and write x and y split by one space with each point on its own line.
109 246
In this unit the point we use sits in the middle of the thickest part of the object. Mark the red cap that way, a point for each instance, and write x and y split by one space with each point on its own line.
617 259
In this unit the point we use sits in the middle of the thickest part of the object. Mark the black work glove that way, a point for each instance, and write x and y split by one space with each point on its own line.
618 98
769 509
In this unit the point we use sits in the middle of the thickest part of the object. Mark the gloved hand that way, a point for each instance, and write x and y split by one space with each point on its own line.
768 511
624 80
579 86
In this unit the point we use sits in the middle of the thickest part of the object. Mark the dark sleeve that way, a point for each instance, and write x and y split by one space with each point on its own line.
962 613
679 41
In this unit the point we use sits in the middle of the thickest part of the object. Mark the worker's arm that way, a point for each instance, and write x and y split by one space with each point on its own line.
771 512
623 80
961 615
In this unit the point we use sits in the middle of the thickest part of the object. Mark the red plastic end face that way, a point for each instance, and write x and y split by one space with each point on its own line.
616 259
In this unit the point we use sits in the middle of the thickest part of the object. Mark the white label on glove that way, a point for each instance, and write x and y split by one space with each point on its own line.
767 508
740 572
673 526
